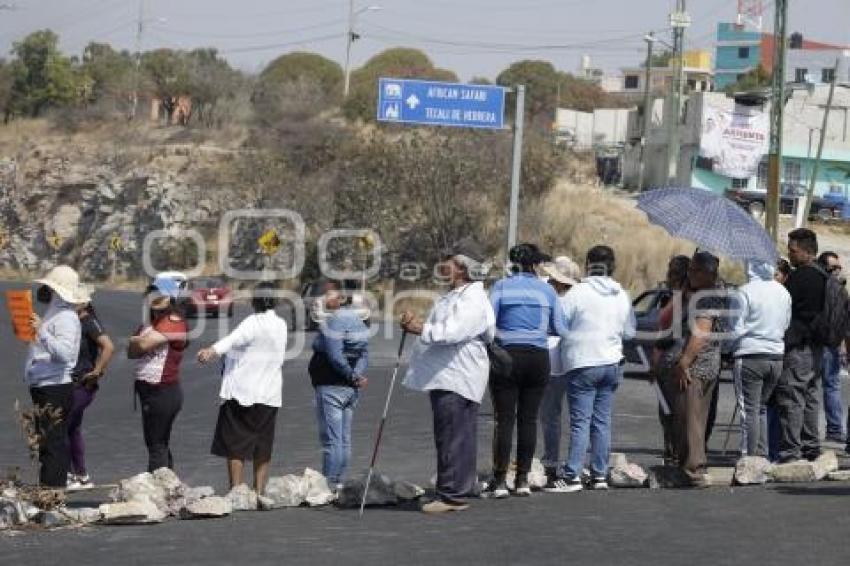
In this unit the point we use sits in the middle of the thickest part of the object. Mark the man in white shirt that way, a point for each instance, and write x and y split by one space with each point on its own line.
451 363
251 388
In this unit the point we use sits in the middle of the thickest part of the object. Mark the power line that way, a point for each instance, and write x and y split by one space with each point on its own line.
283 45
165 28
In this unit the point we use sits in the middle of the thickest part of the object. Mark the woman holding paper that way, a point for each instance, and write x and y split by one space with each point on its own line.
50 362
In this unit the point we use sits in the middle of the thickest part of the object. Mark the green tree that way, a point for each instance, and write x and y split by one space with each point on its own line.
167 71
6 80
211 82
399 62
110 73
660 59
42 76
755 79
297 86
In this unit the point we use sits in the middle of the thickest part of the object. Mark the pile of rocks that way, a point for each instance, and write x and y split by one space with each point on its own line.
382 491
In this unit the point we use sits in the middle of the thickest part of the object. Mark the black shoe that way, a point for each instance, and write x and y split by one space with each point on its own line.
522 489
495 489
836 437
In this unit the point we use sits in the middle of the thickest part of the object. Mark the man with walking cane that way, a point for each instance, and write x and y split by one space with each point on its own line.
450 362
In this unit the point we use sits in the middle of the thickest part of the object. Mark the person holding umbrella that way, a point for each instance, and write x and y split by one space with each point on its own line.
49 368
450 362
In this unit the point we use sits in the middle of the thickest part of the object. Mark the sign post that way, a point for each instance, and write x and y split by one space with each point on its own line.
516 168
431 103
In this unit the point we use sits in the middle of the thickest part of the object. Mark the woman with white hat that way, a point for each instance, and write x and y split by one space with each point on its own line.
563 274
50 363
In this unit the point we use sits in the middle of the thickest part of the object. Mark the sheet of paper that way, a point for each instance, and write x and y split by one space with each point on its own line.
19 303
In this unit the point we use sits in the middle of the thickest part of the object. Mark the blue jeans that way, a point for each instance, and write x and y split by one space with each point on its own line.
335 410
832 403
591 394
550 419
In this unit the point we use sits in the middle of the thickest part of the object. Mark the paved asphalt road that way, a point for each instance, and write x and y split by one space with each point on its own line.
775 525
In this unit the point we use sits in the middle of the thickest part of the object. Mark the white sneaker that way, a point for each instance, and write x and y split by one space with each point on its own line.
495 490
600 484
76 483
564 486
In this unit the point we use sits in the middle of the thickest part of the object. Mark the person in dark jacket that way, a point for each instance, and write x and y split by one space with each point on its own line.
797 391
96 349
338 373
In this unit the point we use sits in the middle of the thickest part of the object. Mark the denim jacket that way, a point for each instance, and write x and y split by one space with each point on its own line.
344 339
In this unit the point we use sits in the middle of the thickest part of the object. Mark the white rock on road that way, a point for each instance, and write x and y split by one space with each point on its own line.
139 511
243 498
207 508
752 470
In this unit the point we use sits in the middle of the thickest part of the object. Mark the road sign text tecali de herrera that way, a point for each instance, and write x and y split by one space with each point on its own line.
441 104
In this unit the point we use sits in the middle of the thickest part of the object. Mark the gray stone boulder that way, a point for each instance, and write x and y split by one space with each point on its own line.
801 471
627 475
839 475
195 493
143 487
82 515
284 491
242 498
52 519
207 508
752 470
381 492
826 463
139 511
12 513
316 488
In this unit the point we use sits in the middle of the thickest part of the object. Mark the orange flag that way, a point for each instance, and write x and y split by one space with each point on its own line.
20 309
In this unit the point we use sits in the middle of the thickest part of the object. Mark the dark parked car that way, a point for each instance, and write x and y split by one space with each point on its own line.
754 202
207 295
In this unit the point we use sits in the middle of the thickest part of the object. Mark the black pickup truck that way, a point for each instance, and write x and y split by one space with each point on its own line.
754 202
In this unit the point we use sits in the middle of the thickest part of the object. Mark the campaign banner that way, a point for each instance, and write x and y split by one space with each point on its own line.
735 139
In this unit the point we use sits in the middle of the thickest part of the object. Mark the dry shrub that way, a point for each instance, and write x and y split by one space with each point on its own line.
571 219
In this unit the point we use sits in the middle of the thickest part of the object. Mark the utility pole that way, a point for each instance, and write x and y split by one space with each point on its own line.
140 29
777 112
350 37
679 21
647 111
815 169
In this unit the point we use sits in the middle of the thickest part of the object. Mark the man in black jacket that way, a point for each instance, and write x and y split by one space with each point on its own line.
797 391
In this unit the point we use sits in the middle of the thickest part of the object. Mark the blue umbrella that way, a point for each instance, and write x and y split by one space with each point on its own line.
711 221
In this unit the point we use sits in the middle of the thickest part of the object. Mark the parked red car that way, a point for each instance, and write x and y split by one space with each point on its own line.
207 295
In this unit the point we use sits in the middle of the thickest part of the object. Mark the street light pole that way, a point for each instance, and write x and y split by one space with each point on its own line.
650 40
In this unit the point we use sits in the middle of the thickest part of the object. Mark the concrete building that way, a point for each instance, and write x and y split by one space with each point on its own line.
741 50
699 76
803 120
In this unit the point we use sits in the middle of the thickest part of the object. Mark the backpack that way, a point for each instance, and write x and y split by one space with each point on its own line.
830 327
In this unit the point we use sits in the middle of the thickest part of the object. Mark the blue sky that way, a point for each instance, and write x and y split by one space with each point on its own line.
471 37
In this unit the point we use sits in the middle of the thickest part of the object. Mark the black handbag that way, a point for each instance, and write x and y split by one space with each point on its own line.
501 363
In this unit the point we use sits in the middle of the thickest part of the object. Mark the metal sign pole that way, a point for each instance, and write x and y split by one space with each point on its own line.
519 122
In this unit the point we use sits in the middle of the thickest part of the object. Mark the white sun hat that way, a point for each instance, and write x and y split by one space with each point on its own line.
65 282
563 270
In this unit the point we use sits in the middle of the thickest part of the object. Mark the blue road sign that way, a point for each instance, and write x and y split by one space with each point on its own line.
441 104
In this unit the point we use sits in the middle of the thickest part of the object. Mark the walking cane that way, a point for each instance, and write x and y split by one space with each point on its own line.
381 425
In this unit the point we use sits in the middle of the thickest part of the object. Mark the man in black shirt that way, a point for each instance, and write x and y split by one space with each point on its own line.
796 393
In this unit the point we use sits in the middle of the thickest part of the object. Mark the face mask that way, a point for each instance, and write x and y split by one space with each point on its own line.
43 294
